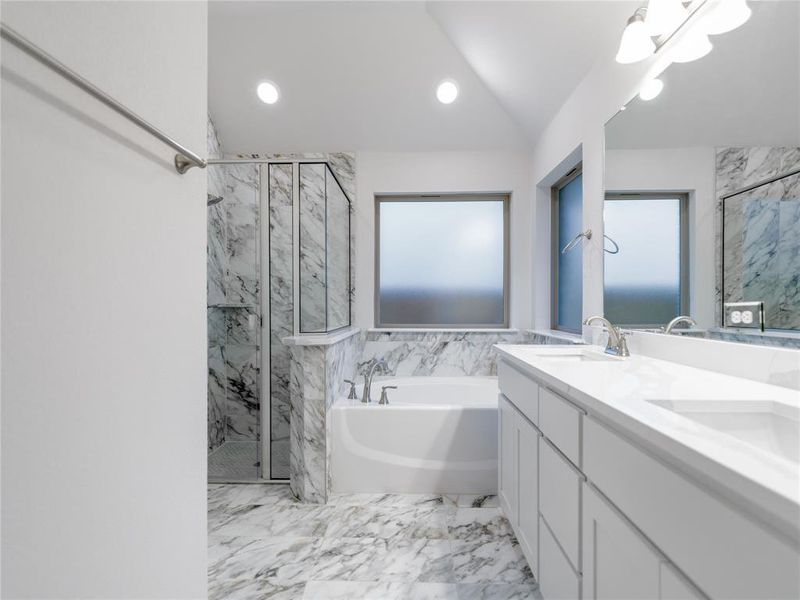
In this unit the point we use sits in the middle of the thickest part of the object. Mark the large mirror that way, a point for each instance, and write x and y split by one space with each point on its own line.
703 192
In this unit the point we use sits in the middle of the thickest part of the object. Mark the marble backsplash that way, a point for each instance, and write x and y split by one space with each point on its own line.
762 232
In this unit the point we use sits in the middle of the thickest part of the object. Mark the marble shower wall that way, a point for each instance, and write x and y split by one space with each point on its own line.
313 279
761 232
233 298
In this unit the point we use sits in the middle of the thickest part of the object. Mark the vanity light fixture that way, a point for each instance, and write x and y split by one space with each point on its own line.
694 44
664 16
636 43
650 89
267 92
447 91
725 16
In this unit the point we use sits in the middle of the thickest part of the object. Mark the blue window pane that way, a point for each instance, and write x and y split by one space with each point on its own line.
643 281
441 263
570 265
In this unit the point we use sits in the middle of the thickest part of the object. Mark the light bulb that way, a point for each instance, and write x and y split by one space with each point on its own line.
635 44
447 91
650 89
725 15
267 92
693 45
664 16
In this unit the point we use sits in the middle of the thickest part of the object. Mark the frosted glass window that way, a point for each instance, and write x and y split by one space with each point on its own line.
441 262
643 281
569 287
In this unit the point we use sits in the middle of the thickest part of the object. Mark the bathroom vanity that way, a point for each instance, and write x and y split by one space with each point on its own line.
646 479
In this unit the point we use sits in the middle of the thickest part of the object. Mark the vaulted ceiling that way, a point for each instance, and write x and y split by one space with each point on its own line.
362 75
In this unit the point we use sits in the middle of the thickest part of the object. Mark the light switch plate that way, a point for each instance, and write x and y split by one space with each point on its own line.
744 314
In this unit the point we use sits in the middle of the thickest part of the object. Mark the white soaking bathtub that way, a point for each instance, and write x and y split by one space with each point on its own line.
436 435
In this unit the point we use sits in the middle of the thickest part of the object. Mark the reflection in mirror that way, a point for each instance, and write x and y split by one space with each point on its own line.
722 124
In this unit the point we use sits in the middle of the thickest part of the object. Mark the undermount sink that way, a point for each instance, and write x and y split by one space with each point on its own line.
770 426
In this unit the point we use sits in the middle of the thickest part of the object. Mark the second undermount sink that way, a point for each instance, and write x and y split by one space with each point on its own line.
575 355
770 426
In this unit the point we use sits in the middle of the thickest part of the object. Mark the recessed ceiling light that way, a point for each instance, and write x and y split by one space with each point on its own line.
267 92
447 91
651 89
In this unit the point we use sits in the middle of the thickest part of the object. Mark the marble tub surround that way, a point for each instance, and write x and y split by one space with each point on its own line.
317 374
625 393
761 231
264 543
438 352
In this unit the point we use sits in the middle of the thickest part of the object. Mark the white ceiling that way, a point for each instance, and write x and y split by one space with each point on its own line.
746 92
361 75
532 55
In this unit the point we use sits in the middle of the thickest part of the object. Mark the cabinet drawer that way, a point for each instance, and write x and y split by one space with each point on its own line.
723 551
557 579
560 421
560 500
520 389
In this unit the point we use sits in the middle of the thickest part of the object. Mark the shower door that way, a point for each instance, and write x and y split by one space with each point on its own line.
234 323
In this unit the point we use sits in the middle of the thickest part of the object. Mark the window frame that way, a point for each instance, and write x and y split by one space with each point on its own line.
555 249
504 197
684 263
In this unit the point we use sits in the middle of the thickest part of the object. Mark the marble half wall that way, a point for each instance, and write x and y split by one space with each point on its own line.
762 232
317 380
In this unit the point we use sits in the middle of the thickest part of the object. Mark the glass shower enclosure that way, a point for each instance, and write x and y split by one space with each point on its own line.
278 265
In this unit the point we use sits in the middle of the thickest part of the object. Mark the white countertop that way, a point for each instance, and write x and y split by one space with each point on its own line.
617 391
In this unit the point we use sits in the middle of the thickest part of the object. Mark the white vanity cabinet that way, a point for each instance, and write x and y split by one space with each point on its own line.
519 480
599 517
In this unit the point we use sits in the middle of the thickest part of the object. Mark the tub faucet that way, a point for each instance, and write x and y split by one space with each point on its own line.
372 366
617 345
384 396
679 319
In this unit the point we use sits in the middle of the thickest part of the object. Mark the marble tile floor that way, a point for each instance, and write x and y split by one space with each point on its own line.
264 544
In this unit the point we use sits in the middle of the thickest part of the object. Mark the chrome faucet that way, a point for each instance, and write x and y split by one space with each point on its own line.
372 366
679 319
617 344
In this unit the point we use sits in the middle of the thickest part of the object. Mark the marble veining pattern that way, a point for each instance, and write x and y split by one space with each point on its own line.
265 544
419 353
761 232
313 278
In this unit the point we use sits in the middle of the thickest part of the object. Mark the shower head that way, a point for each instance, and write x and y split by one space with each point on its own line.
212 200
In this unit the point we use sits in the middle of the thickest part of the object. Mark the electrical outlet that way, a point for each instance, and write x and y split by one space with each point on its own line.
744 314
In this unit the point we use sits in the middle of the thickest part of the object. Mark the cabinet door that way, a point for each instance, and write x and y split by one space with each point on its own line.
528 474
618 563
508 485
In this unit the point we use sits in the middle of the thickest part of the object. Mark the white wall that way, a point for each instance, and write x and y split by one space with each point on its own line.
576 134
689 170
430 172
103 306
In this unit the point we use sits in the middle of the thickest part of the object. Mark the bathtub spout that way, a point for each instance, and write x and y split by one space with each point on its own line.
373 366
